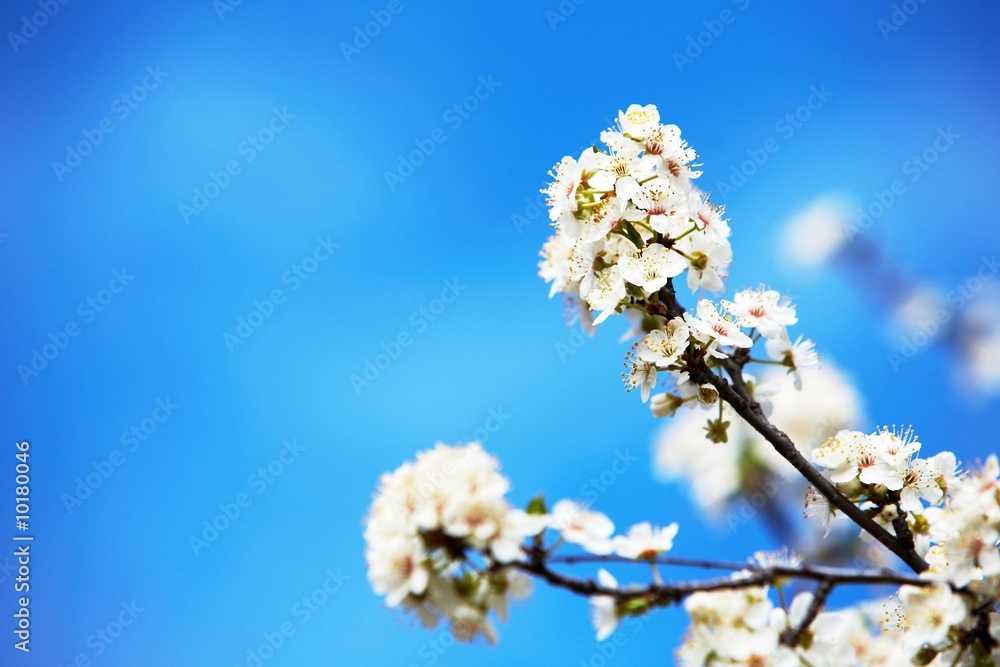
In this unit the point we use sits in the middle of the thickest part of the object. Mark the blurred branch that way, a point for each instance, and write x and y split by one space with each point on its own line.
792 636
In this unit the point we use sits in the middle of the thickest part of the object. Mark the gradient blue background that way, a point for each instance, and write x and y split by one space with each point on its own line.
495 347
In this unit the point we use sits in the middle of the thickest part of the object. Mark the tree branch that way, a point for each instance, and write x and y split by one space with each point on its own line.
736 393
792 636
663 560
674 592
738 396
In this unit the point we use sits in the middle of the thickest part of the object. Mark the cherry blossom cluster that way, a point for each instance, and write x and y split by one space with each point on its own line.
442 540
744 627
952 518
965 530
741 625
437 529
628 221
921 625
881 470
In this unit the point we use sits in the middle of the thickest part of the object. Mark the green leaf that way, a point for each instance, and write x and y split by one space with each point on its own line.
537 505
633 235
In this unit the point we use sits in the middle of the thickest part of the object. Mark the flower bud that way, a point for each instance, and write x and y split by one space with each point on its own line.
925 656
852 489
890 513
665 405
707 394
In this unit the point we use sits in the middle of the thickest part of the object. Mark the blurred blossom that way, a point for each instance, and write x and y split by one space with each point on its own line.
827 403
965 318
815 235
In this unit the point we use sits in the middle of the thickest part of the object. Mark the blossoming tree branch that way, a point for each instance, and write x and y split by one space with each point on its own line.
444 542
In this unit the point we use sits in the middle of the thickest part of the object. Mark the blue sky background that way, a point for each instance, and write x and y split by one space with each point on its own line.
558 82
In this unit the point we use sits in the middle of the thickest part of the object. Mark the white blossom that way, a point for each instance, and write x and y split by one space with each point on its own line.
604 608
966 530
763 309
664 347
562 190
709 261
652 267
672 153
556 266
926 615
608 291
641 376
578 525
666 207
798 355
711 324
707 217
639 121
645 541
621 171
602 219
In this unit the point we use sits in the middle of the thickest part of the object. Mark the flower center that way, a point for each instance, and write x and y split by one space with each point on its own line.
404 566
866 460
620 168
639 117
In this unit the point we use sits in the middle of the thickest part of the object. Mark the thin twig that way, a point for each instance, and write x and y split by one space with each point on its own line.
674 592
803 571
663 560
792 636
